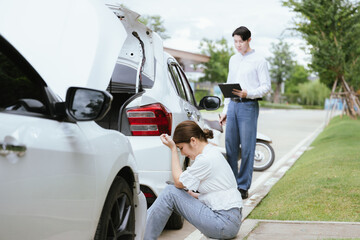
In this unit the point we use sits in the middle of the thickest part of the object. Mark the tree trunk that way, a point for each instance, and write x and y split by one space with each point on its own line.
277 93
351 99
348 97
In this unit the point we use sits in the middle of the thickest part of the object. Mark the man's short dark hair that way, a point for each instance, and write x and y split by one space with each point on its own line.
243 32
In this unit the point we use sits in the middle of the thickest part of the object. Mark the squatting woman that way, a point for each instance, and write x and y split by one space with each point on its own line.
205 194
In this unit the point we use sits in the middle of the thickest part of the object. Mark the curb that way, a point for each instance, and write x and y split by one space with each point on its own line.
280 230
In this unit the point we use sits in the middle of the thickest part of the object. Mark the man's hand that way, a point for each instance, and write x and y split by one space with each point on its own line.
240 93
222 119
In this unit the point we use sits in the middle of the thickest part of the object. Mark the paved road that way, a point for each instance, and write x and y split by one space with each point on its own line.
287 129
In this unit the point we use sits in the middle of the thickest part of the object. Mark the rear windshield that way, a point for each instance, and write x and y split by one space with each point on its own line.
124 79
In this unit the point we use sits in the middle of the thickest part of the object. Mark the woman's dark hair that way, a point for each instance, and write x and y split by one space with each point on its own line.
243 32
188 129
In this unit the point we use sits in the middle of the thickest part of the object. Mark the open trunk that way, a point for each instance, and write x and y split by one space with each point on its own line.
135 68
123 89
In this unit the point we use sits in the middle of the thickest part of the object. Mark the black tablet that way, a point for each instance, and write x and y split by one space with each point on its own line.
226 89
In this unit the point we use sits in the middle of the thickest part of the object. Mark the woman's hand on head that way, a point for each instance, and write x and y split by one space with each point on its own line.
167 141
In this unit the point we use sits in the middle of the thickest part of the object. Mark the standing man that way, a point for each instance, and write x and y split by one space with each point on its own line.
240 114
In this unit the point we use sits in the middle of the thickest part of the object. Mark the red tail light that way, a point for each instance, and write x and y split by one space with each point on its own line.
149 195
149 120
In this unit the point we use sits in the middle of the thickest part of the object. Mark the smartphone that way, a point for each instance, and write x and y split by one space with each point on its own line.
172 183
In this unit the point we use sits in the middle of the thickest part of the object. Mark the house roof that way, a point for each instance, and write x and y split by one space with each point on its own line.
187 56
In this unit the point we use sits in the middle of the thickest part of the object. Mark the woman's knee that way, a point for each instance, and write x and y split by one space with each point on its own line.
170 191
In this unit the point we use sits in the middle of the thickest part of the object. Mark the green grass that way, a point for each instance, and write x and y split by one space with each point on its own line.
265 104
324 183
219 110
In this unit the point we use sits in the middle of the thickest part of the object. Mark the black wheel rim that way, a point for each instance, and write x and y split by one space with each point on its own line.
119 224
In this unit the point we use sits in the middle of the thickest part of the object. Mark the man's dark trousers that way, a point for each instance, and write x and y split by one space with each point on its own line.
241 128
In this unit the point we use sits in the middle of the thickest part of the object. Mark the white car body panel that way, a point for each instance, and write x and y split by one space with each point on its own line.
131 53
61 52
58 188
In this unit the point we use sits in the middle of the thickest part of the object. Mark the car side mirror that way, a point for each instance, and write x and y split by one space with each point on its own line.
84 104
209 103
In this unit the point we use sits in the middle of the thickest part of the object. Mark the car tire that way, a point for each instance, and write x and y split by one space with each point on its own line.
175 222
117 220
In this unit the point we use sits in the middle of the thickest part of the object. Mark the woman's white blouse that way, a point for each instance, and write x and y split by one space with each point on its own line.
212 177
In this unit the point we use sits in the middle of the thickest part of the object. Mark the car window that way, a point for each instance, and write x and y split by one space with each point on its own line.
182 85
188 90
177 80
18 91
124 79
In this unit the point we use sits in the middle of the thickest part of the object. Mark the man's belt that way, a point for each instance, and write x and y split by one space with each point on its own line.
237 99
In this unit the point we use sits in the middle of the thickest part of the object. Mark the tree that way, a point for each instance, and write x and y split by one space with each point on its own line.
216 70
298 75
156 24
332 29
281 66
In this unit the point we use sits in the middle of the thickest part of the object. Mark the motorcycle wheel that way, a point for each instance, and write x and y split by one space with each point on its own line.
264 156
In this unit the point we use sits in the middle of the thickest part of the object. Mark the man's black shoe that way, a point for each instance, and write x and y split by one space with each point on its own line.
244 193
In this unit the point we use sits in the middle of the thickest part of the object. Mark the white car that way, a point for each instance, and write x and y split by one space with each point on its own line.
62 176
151 96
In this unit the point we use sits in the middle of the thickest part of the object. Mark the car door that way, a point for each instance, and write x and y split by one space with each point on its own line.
185 92
47 169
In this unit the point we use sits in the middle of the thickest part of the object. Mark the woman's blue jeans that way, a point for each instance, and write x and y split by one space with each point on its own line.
222 224
241 128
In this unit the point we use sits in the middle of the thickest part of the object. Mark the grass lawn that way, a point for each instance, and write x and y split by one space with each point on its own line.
265 104
324 183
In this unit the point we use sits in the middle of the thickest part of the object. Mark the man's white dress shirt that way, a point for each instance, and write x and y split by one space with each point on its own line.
251 71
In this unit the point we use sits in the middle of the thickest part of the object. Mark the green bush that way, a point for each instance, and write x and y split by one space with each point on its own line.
265 104
292 98
313 93
200 93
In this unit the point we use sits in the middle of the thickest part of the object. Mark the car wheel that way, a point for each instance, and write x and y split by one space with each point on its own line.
175 222
117 219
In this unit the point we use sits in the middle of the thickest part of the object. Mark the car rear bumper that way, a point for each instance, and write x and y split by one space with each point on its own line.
140 216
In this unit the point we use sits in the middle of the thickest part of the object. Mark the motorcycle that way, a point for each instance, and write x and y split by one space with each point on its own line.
264 152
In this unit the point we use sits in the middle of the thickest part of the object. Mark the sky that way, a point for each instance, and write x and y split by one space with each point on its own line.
187 22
